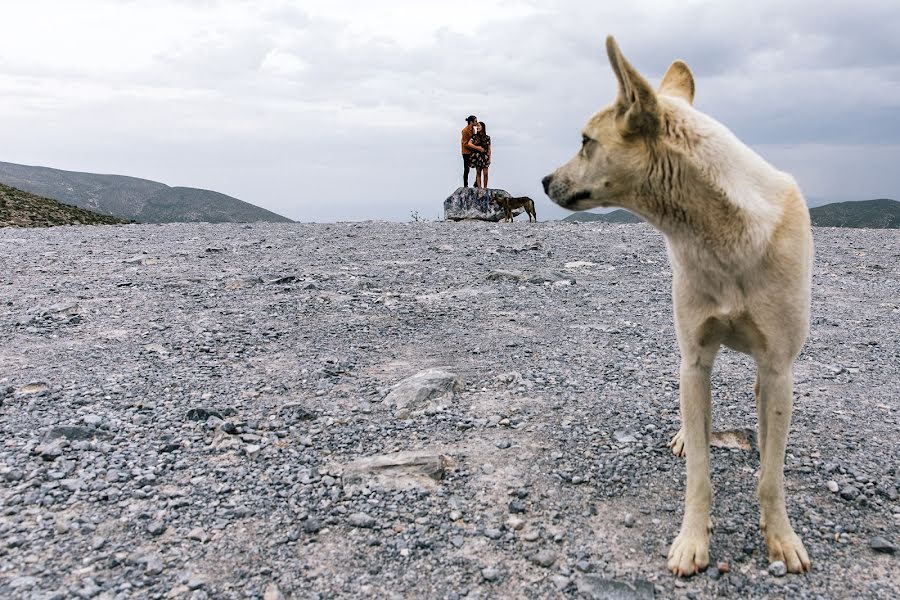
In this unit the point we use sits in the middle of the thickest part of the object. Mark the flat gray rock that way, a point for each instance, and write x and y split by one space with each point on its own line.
426 392
597 587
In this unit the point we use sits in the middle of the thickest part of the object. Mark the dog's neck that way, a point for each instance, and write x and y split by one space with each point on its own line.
706 186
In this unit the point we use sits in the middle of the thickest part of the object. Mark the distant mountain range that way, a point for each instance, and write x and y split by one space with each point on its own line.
21 209
617 216
131 198
869 214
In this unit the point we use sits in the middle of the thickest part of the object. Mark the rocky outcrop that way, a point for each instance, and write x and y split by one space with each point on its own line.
475 203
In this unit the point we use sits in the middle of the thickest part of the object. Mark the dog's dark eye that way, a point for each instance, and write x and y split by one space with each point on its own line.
584 140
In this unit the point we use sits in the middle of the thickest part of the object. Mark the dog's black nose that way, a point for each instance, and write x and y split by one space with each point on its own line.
546 181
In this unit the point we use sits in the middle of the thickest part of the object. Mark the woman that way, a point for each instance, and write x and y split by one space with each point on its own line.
481 160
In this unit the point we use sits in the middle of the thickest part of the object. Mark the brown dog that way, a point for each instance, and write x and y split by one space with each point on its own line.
510 204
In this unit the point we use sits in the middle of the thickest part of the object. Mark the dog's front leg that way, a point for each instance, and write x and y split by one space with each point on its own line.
775 405
689 553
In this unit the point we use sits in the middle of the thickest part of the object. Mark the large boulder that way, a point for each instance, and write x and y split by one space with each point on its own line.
475 203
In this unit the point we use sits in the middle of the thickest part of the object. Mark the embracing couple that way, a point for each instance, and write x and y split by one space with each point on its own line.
476 152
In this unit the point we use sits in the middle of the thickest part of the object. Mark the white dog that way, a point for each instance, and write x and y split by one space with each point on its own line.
738 236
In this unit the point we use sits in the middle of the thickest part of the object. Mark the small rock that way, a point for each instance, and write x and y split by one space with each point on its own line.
543 558
273 592
560 581
723 567
880 544
195 582
832 486
92 420
517 506
428 391
312 525
361 520
503 444
629 520
596 587
252 450
490 574
198 534
778 569
154 566
849 493
202 413
493 533
156 527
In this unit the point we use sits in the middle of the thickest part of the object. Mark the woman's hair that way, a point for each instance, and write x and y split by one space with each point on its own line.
483 128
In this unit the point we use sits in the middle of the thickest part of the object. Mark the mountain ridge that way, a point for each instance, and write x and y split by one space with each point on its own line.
881 213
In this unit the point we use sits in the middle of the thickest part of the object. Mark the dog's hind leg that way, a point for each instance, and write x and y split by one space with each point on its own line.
689 553
775 406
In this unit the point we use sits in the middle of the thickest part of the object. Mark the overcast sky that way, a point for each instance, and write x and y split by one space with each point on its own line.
325 110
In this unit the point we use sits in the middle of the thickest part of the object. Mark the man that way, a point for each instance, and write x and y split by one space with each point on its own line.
468 147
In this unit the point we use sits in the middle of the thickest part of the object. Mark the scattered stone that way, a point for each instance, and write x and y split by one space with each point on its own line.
849 493
778 569
832 486
37 387
203 413
399 471
882 545
156 528
312 525
738 439
198 534
629 520
76 433
597 587
723 567
363 520
273 592
505 275
543 558
490 574
427 392
517 506
624 437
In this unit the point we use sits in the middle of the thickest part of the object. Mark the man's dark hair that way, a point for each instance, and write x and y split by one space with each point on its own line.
471 118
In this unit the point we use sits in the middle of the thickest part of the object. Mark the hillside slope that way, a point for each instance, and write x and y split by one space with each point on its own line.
133 198
22 209
870 214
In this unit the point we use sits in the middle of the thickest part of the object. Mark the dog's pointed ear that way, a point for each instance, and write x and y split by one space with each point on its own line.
678 82
638 109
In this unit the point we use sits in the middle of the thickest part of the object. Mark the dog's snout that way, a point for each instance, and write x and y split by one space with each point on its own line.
546 181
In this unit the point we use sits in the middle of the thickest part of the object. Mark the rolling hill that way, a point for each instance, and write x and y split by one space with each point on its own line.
133 198
21 209
869 214
617 216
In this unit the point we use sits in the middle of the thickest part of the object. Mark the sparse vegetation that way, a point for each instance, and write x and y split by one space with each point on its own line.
21 209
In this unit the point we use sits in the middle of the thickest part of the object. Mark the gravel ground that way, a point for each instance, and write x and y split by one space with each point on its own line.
181 407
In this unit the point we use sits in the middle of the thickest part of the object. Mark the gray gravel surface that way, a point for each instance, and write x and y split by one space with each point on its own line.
178 405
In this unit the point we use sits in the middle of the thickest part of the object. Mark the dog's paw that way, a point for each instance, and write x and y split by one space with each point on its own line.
677 443
689 554
789 549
